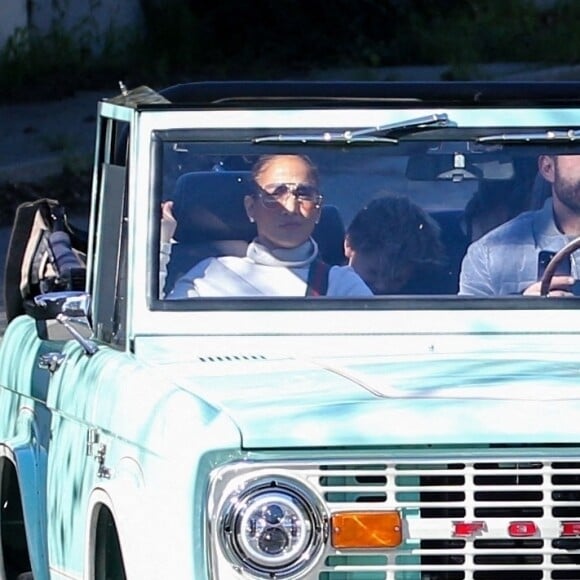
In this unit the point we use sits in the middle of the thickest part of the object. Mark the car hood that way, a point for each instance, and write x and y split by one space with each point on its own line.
392 400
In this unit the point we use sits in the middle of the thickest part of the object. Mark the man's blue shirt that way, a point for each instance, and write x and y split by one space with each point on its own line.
505 260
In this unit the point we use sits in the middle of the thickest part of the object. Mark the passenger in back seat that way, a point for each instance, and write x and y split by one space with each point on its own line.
283 259
395 247
491 205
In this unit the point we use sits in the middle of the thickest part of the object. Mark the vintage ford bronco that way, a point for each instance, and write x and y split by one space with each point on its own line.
428 432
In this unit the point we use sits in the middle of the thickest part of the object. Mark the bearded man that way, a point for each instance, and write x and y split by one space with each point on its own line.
505 260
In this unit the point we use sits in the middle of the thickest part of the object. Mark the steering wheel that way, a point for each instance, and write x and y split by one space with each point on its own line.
564 253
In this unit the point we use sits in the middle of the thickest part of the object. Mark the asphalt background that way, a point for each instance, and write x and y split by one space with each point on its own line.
38 138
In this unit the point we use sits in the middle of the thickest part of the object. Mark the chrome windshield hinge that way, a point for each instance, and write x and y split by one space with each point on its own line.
98 450
51 361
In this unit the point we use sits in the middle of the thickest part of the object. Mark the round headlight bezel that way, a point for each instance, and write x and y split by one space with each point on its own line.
277 514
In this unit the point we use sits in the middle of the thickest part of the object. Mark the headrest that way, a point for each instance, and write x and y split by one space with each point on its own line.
209 205
541 191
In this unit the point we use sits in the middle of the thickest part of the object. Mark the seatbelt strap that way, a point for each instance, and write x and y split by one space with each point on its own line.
318 278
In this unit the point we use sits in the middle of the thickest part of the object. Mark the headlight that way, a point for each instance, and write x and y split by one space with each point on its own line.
273 527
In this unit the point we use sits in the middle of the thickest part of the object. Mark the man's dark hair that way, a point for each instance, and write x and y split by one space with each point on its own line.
396 226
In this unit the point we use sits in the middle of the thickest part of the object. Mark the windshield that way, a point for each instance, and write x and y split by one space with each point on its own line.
399 215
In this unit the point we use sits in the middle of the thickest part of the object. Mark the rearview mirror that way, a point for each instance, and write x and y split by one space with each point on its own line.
457 167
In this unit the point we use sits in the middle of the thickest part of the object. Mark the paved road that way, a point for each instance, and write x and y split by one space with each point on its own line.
37 139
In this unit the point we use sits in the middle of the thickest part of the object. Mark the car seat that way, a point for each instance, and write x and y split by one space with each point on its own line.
45 254
541 191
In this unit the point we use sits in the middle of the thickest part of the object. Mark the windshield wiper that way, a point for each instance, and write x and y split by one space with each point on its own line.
549 136
378 134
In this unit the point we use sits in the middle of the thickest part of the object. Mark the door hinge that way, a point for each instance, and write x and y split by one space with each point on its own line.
98 450
51 361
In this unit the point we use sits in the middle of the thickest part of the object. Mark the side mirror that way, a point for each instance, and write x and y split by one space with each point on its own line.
71 303
66 310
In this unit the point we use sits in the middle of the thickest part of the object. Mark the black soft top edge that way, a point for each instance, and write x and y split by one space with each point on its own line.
221 94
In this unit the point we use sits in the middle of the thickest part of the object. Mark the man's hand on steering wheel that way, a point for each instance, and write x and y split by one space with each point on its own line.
559 286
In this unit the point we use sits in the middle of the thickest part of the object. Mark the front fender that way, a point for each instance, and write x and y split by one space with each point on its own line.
29 460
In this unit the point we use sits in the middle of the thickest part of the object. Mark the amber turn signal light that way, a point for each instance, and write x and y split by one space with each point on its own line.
366 530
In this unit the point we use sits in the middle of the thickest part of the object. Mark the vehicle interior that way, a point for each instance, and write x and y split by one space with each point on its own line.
466 186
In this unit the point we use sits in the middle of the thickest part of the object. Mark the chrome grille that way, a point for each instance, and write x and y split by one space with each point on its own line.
537 494
431 496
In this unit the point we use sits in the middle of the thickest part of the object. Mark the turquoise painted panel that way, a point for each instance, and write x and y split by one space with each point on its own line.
157 437
405 401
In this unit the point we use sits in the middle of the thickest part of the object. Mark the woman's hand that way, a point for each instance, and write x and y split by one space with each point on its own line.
168 222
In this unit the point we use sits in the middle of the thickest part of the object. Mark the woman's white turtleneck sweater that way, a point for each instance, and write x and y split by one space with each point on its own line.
264 272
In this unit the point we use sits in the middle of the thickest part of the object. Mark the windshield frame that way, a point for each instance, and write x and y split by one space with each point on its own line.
239 125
